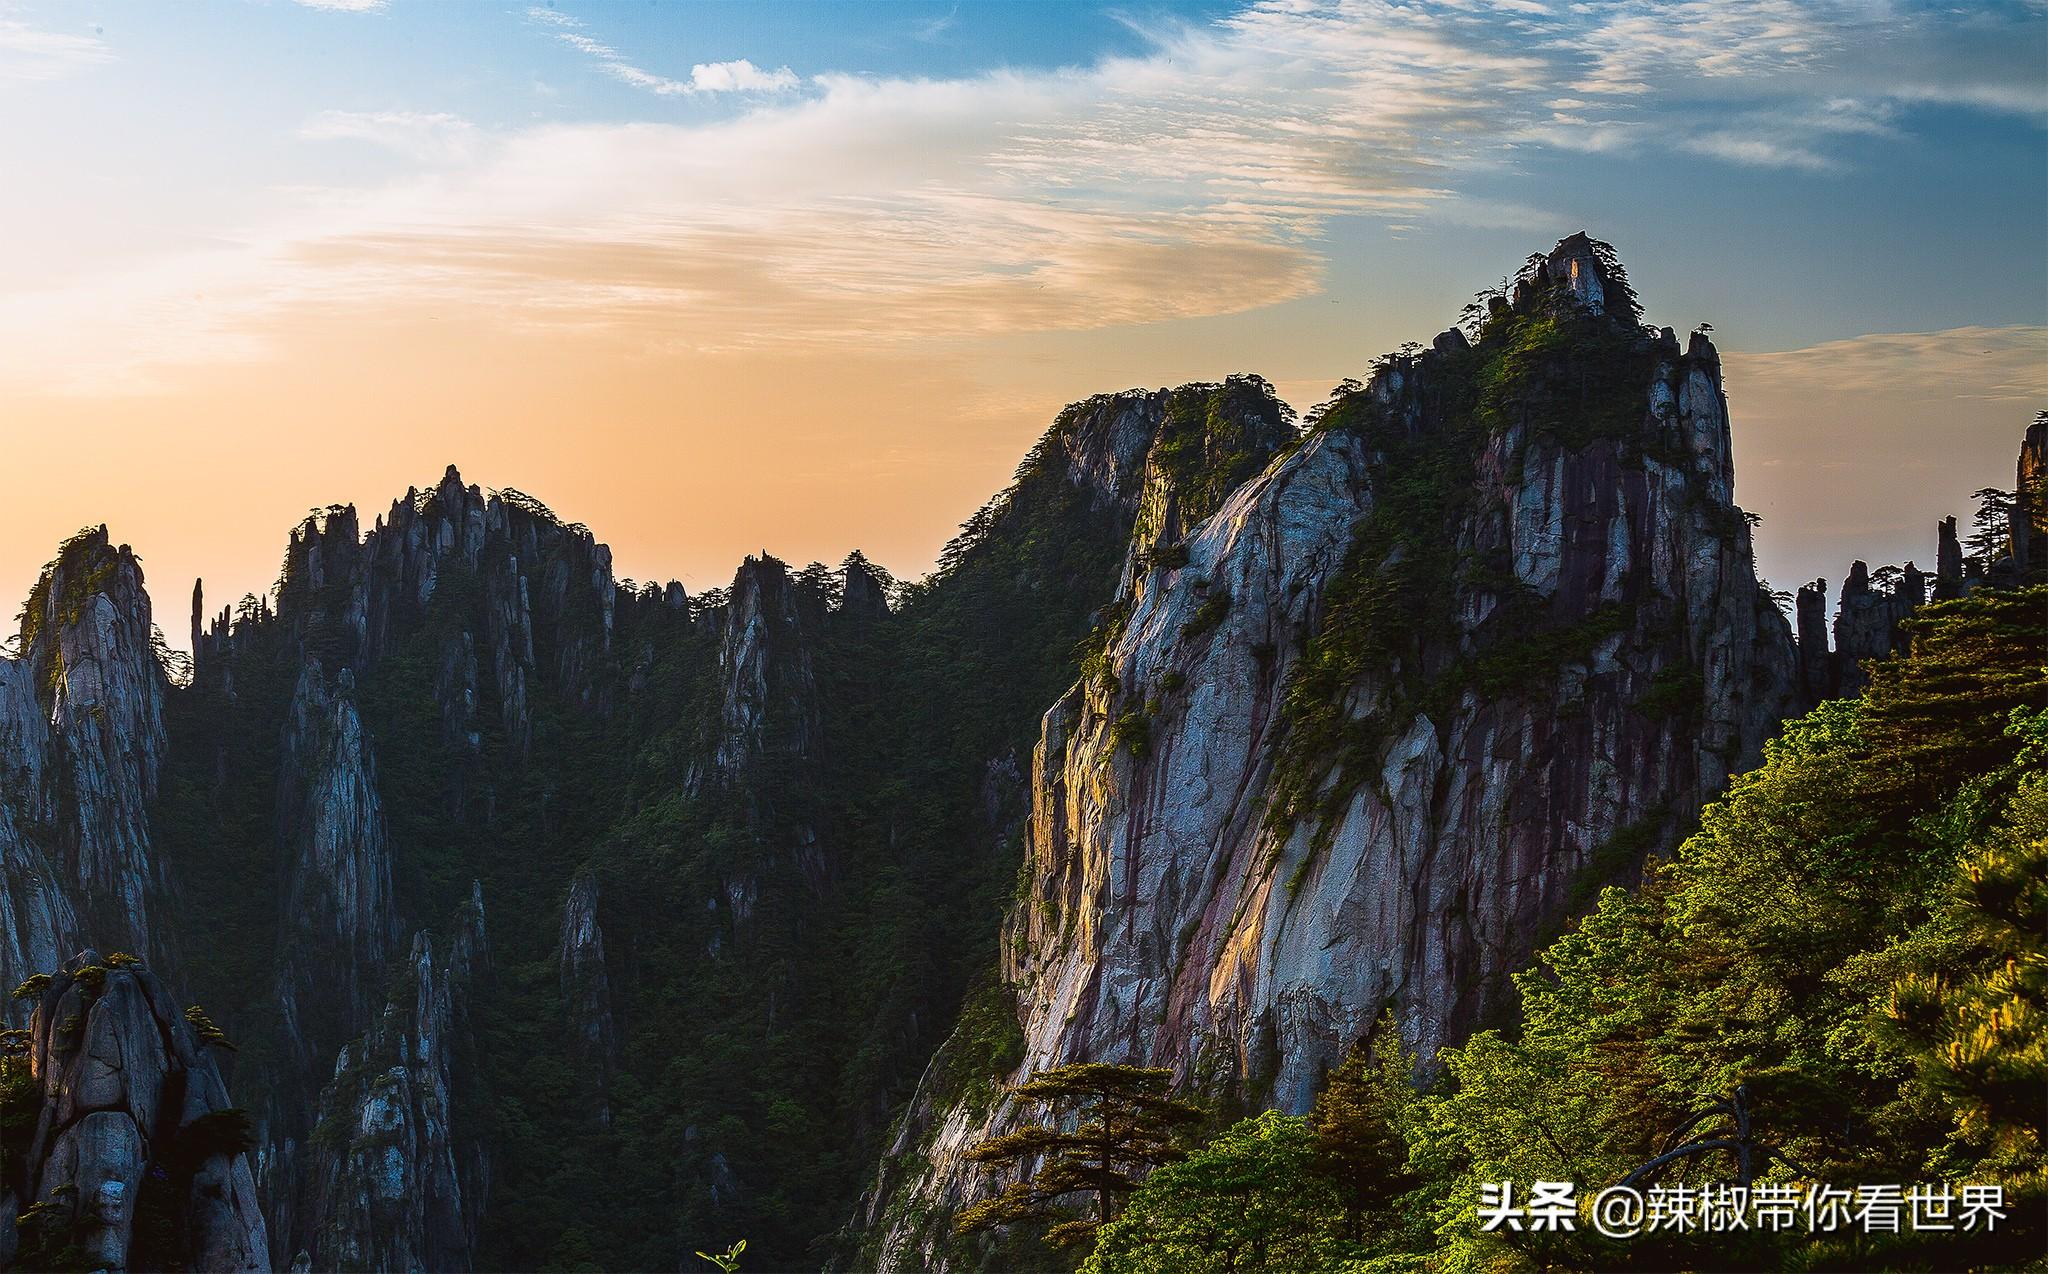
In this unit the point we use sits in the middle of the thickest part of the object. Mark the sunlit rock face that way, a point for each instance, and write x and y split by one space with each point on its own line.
137 1160
1601 658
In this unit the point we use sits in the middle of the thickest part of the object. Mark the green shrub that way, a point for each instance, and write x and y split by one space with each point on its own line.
1208 615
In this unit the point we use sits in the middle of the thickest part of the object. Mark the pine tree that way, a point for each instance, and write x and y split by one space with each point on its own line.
1124 1121
1356 1125
1980 1035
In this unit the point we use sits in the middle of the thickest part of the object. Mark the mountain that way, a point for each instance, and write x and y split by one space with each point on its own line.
1383 725
561 920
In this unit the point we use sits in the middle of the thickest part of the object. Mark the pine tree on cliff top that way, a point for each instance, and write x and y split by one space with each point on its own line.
1124 1123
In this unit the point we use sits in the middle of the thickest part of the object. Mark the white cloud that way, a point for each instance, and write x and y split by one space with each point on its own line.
932 29
29 53
426 136
737 76
344 6
1757 152
1644 42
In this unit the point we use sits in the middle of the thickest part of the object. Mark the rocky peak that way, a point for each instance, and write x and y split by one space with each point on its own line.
1948 561
769 701
1208 440
1575 264
89 668
1100 444
137 1160
347 597
1874 605
2030 500
863 589
1413 693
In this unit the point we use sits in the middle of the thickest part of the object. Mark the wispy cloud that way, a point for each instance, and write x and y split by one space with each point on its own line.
1197 177
425 136
1856 448
931 29
2006 365
31 53
345 6
736 76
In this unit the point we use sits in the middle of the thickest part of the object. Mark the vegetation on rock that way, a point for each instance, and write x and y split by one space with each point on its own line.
1852 940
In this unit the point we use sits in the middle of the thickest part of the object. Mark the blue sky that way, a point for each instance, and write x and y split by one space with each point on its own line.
449 228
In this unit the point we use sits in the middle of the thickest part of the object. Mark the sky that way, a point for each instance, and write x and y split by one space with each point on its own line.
724 278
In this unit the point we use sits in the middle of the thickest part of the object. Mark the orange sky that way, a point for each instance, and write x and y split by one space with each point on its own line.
686 462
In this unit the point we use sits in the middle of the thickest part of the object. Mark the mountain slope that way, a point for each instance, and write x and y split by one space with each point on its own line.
1391 713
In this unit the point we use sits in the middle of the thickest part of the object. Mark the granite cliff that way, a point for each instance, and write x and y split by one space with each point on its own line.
1366 731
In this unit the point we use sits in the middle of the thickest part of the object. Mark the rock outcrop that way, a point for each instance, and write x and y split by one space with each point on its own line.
1387 717
587 988
81 744
347 597
337 925
136 1161
2029 519
395 1183
37 921
768 701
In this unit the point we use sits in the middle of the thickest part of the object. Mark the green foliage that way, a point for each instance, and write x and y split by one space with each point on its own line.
21 1105
217 1132
1811 942
987 1044
48 1238
1211 442
1172 557
1360 1126
1132 730
1252 1199
1677 691
1854 936
1207 616
32 986
124 960
1974 1019
208 1033
728 1260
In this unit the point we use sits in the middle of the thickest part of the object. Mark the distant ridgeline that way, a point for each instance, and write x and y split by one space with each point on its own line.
561 921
